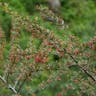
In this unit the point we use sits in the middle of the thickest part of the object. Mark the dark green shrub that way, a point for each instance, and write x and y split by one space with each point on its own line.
6 24
30 4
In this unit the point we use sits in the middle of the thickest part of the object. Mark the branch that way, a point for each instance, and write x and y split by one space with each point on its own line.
86 71
3 79
82 69
20 87
8 85
12 89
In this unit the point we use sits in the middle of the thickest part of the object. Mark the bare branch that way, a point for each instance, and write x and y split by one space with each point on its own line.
3 79
8 85
12 89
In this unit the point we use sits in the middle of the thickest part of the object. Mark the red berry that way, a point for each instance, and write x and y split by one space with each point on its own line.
59 94
38 59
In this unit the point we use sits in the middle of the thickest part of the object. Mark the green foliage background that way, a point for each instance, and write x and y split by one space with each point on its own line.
80 15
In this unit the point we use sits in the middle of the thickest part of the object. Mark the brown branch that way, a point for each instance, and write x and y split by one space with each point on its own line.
82 69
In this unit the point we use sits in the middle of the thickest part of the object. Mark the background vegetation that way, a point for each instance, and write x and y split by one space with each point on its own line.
23 34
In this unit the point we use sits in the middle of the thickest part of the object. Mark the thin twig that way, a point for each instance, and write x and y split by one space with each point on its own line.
20 87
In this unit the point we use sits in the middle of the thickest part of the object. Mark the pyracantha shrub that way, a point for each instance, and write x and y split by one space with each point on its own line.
65 67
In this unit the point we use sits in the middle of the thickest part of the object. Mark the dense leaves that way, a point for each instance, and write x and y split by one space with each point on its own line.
47 58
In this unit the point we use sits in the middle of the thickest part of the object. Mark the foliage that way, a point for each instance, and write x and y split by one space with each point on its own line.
30 4
47 58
